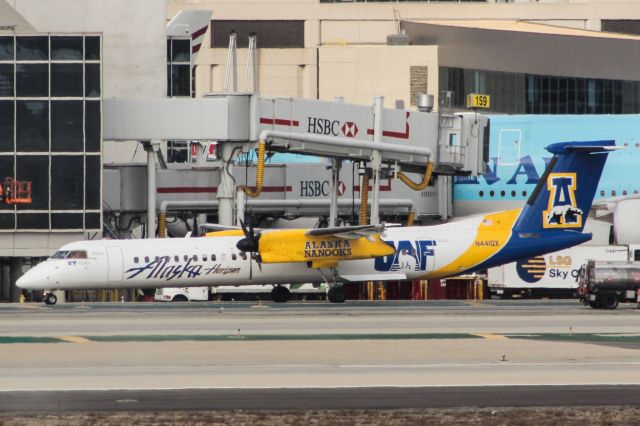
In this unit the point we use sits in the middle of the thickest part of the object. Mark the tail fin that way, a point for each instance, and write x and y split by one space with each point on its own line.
563 196
191 24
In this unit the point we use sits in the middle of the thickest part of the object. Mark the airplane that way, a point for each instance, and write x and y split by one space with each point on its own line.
552 219
516 159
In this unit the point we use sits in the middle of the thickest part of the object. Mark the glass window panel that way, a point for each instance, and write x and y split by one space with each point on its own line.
34 168
92 221
180 80
7 221
6 48
6 79
180 50
66 48
67 177
32 126
92 128
66 79
92 80
93 173
92 47
6 165
32 80
66 126
6 126
67 221
33 220
32 48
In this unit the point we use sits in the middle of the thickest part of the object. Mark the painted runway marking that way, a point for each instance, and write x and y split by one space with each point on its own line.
492 336
75 339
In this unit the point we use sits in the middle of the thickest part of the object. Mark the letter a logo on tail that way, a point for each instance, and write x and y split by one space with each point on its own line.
562 210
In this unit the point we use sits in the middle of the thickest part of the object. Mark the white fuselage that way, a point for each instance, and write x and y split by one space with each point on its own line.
215 261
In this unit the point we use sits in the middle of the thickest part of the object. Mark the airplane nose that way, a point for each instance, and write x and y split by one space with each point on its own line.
32 280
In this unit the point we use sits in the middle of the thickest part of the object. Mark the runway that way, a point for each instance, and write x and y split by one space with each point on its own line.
319 355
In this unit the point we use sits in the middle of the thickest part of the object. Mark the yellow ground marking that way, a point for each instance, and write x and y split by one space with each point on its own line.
74 339
491 336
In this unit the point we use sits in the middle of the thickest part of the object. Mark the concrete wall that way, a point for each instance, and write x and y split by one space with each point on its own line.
361 72
281 72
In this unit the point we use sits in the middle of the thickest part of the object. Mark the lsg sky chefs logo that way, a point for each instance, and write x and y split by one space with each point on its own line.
563 211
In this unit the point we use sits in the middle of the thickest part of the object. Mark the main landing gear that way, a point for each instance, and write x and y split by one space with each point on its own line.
280 294
50 299
336 294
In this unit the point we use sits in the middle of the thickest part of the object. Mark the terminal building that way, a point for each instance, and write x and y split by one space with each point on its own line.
60 62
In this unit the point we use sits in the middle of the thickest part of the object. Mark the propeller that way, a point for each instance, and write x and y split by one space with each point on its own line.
250 244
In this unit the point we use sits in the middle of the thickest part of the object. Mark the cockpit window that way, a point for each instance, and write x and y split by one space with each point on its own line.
77 254
60 255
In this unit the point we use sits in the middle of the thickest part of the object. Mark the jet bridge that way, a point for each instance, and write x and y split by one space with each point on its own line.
388 142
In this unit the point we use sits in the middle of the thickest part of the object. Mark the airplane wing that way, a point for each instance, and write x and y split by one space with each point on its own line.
214 227
347 232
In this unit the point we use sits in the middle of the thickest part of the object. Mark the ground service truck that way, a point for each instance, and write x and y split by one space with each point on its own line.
554 274
604 284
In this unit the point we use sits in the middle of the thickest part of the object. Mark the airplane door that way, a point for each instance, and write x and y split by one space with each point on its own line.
509 147
115 270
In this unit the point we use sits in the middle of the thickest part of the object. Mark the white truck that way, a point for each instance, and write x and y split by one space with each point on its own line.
552 275
245 292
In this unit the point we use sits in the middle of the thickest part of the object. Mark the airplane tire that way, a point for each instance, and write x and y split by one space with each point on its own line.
609 301
280 294
336 295
50 299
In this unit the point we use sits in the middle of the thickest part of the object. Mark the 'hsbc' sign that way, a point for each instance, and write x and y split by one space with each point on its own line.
314 188
323 126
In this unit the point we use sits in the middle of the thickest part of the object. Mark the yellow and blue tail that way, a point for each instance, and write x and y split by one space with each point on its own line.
555 213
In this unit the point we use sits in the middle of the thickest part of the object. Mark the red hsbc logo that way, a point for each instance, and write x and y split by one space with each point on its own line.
350 129
341 188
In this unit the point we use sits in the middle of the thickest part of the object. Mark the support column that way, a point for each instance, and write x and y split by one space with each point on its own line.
15 273
5 282
376 159
336 165
151 147
226 189
240 206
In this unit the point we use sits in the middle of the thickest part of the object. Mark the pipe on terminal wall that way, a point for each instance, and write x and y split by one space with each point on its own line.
180 205
426 177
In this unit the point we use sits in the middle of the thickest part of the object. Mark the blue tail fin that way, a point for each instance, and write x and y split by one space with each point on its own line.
563 196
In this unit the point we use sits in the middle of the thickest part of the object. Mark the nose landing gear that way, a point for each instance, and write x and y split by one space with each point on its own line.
50 299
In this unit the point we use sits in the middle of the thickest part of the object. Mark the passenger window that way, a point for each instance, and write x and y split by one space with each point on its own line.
146 259
167 258
186 257
157 258
243 255
213 257
176 258
136 260
233 256
204 257
195 258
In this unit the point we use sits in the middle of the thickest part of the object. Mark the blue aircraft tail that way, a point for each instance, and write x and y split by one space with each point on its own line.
562 198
